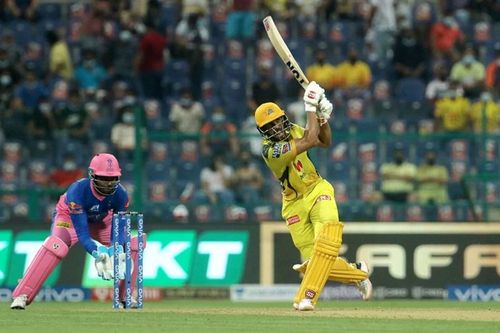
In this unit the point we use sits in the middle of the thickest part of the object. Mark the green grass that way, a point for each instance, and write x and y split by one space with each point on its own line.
223 316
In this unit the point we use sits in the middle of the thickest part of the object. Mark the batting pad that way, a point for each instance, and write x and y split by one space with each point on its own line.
325 252
344 272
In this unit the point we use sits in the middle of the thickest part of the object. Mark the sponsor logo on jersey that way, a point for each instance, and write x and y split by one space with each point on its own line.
63 224
94 208
285 149
75 208
276 151
310 293
292 220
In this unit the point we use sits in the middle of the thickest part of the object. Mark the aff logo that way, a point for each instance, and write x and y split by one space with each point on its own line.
428 256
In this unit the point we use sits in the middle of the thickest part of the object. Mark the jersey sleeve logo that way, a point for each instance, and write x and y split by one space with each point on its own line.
276 151
75 208
286 148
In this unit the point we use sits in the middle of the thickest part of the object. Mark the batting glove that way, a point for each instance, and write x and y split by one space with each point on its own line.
324 112
312 96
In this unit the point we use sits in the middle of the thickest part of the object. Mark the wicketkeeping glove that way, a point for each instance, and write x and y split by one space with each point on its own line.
104 262
312 96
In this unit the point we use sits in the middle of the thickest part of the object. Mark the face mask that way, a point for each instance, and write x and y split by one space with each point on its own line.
218 118
186 102
69 166
89 63
468 60
128 117
45 107
5 80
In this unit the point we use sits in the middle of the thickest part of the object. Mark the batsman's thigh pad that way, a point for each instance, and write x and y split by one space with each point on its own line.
48 256
325 252
345 272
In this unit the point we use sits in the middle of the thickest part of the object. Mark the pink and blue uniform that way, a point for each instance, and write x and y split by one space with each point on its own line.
84 215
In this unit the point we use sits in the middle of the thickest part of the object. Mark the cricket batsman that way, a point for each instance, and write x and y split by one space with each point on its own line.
83 213
308 204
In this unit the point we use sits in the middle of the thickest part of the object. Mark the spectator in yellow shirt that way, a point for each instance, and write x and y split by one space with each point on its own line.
353 73
451 112
485 114
432 181
59 59
397 177
322 72
470 73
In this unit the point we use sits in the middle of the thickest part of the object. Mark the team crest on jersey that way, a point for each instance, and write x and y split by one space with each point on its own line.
323 197
276 151
94 208
75 208
292 220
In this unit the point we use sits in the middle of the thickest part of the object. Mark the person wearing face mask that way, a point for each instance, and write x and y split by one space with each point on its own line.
398 177
470 73
485 114
353 73
446 37
41 124
438 84
187 114
432 180
248 180
409 55
123 131
90 73
451 111
322 71
68 173
217 134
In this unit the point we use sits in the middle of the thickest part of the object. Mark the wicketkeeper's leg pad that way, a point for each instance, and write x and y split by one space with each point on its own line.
45 261
325 252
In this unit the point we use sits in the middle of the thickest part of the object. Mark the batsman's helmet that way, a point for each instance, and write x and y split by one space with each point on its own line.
105 172
272 122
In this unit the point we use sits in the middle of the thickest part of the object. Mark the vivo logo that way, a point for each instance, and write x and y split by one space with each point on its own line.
61 295
474 293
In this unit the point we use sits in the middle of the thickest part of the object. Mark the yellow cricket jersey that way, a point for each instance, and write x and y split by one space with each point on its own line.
491 116
453 113
296 173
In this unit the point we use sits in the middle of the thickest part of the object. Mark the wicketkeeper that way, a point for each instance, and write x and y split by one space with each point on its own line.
84 213
308 204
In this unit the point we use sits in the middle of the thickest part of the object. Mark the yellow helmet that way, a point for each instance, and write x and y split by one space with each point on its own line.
267 112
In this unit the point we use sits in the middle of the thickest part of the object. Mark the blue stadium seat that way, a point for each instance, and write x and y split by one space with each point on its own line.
49 11
410 90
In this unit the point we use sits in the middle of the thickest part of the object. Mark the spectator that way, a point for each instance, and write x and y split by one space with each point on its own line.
60 64
72 119
22 9
217 134
451 111
30 90
446 37
397 177
240 22
250 137
90 74
492 81
353 73
382 25
13 120
322 71
215 183
485 114
469 73
119 57
192 34
409 55
264 88
247 180
438 85
432 181
187 114
8 78
123 135
296 110
41 124
150 61
67 173
10 44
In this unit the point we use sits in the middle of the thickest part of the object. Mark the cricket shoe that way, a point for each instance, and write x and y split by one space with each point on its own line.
19 303
365 287
133 304
304 305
